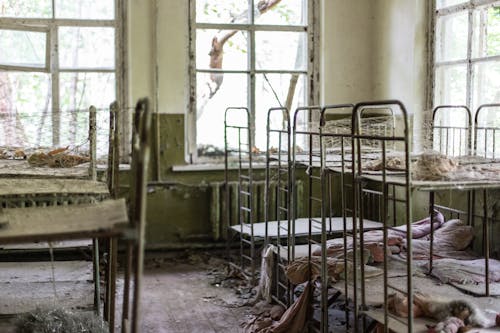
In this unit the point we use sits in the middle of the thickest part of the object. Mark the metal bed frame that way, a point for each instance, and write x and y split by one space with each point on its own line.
311 113
447 134
360 184
38 191
381 195
485 130
243 151
105 220
327 212
282 209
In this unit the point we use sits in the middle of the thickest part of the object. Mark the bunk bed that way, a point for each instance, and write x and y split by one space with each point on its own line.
368 152
34 220
405 186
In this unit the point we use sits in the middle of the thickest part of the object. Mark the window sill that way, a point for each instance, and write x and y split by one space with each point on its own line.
212 167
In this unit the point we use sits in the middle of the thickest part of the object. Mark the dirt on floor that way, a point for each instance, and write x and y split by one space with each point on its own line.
185 292
193 293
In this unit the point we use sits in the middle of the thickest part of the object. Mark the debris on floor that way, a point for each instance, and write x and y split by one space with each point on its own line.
60 321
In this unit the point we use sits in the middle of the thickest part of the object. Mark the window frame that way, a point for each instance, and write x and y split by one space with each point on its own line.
311 72
469 7
51 25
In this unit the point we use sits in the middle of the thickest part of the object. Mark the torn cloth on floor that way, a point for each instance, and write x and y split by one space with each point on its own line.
295 317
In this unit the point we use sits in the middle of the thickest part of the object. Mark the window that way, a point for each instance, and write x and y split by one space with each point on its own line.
57 58
467 52
251 53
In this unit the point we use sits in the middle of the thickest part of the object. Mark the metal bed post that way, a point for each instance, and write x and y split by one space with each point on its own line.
93 176
284 192
494 130
310 111
245 184
138 219
359 183
326 197
464 136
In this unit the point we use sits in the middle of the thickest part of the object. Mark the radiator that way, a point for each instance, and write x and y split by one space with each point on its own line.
218 209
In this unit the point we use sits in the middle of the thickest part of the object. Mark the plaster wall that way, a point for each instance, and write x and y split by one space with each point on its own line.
369 49
346 50
399 58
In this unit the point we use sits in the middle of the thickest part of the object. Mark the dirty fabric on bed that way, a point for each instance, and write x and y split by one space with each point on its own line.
450 241
465 271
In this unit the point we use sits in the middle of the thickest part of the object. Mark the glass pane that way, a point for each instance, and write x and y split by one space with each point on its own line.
23 48
450 85
86 47
290 12
210 109
227 11
485 83
451 37
26 8
25 109
486 35
226 49
446 3
85 9
281 50
272 91
77 92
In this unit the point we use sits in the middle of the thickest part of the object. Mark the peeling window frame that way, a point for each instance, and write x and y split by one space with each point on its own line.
312 71
50 26
469 60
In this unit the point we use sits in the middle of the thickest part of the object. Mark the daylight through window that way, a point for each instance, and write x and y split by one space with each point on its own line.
57 58
247 53
467 59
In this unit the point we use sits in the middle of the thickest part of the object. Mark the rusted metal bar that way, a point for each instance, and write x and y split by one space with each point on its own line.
93 142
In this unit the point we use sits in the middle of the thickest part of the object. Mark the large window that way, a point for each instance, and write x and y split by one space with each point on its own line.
57 57
252 53
467 52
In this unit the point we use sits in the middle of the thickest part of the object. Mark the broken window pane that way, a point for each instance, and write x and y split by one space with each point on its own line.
25 109
290 12
86 9
280 50
451 37
26 8
227 11
486 34
78 91
446 3
272 91
450 87
83 47
23 48
221 49
210 107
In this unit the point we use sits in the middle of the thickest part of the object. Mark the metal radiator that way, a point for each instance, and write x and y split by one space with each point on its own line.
218 209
